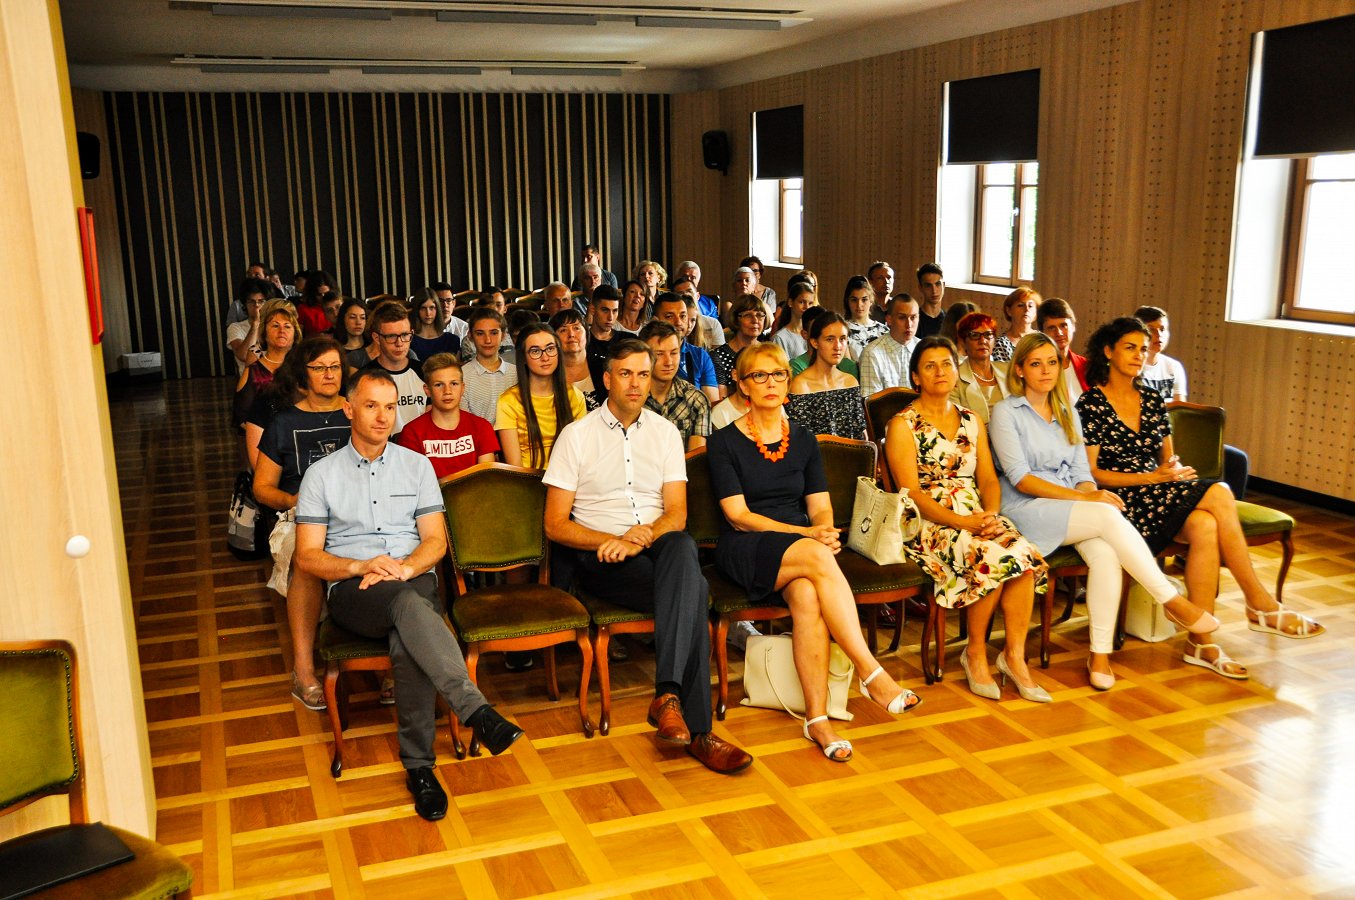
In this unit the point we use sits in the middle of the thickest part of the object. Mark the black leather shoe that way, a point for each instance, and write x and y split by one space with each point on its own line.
496 733
430 800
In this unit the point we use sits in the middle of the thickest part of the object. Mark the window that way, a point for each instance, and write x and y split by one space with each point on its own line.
989 183
1004 222
1319 270
776 193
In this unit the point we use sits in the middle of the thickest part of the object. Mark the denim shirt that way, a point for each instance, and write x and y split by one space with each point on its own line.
1025 444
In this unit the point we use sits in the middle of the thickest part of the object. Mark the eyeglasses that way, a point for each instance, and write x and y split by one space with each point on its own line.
326 370
752 315
980 336
778 376
538 352
397 338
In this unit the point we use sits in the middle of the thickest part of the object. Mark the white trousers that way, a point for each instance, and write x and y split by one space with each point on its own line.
1108 543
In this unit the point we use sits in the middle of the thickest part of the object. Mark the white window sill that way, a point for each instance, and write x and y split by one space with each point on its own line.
1330 328
995 290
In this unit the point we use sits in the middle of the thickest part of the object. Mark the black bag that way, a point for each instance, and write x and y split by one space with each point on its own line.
248 525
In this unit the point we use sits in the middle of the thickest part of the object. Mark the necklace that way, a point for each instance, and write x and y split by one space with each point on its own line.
768 455
276 362
983 380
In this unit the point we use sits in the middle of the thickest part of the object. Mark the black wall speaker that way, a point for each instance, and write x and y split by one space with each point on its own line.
87 145
715 150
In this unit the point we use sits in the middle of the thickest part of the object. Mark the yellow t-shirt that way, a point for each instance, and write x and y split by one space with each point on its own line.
512 416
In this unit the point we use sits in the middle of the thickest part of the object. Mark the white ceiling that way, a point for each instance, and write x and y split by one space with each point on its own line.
130 44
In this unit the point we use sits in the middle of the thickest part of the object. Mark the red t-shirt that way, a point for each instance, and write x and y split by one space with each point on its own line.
449 451
313 320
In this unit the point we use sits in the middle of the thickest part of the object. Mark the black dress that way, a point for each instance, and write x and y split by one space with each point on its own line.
1158 511
838 412
776 490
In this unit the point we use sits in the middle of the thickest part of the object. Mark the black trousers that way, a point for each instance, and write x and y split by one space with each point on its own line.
665 580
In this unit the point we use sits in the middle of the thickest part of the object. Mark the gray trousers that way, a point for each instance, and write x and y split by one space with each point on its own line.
665 580
425 658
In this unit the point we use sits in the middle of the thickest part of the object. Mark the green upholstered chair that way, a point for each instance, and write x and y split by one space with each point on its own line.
495 523
41 748
1197 437
343 652
608 620
880 408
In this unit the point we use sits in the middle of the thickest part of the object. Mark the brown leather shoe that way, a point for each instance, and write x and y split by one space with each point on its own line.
665 714
719 755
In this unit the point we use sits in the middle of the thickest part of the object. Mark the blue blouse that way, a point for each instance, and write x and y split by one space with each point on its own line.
1025 444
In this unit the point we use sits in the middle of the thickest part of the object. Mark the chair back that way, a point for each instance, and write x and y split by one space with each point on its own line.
495 517
705 519
39 725
880 408
844 461
1197 436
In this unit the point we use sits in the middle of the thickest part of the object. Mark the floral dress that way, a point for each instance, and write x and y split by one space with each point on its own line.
1157 511
963 566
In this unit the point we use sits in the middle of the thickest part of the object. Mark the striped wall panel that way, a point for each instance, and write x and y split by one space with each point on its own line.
387 192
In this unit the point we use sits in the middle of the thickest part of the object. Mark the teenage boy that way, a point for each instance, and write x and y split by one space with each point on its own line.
450 437
604 309
488 374
931 287
670 396
393 333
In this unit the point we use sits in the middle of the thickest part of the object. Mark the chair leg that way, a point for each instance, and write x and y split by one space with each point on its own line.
585 669
453 725
872 614
1046 621
1122 611
472 663
941 639
1287 542
336 722
1070 582
552 681
899 616
722 665
604 678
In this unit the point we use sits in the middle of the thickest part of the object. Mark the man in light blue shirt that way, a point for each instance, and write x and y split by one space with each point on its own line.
369 522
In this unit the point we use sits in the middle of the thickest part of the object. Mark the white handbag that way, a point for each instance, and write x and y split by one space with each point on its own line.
882 523
282 542
771 681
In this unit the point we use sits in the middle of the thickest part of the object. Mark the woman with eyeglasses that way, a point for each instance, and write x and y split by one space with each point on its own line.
981 383
310 428
779 542
749 324
857 300
527 427
1019 309
760 290
430 328
937 451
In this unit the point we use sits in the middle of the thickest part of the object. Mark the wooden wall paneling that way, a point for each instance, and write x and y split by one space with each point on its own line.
59 479
696 210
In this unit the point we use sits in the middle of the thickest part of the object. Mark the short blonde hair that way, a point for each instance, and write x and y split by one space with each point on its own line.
272 309
646 264
753 353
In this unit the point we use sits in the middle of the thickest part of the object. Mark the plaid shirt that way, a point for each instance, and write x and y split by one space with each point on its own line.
686 407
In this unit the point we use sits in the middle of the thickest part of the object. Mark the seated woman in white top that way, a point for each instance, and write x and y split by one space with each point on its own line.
786 331
982 381
1049 492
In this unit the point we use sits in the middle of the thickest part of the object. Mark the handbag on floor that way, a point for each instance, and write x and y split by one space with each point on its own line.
882 523
248 525
771 681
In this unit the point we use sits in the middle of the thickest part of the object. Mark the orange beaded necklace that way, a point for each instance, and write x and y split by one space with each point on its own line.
769 455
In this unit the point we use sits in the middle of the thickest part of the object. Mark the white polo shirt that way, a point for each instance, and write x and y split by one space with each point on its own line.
617 474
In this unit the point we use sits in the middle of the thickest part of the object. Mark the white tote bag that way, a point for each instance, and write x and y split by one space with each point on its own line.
882 522
283 544
771 681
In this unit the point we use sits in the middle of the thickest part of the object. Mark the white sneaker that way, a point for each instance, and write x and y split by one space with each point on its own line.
739 633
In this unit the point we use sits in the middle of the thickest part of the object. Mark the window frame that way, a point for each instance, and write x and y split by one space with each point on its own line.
1018 222
782 189
1295 213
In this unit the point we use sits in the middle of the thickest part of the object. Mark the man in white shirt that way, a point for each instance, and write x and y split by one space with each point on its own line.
884 362
617 495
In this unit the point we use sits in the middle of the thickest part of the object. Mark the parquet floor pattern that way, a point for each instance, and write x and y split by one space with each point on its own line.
1177 783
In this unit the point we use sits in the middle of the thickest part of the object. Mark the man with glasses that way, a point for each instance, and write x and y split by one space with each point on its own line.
617 495
447 297
393 334
884 362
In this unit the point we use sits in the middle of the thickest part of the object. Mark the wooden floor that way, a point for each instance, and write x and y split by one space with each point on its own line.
1176 783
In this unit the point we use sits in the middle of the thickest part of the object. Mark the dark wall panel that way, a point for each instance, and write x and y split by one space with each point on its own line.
387 192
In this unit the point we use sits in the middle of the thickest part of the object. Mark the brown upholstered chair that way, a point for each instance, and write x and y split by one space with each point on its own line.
880 408
41 747
508 617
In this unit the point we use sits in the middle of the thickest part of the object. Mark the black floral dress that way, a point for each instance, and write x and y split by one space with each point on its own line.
1157 511
963 566
839 412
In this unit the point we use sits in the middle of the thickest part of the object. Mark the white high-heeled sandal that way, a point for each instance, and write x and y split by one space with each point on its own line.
832 749
900 703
